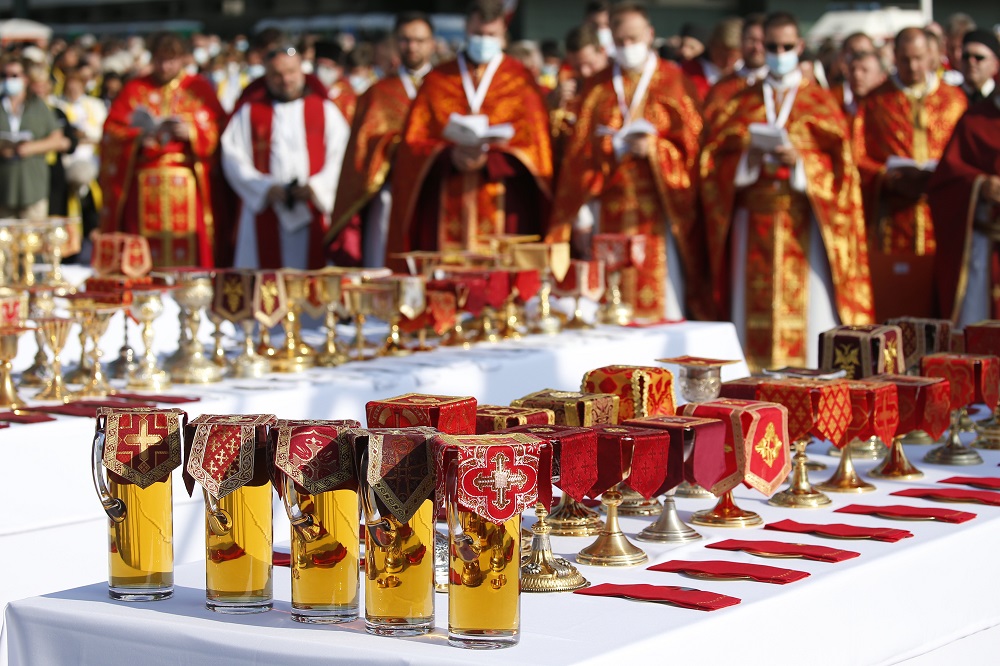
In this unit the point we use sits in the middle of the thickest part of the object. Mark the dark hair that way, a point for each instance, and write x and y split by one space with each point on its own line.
596 7
550 48
780 20
406 18
580 38
168 44
487 10
755 20
628 7
267 39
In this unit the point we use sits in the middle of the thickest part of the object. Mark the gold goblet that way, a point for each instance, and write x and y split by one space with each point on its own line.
56 236
361 301
409 300
612 548
146 374
294 355
800 493
233 300
8 254
541 571
55 332
190 364
9 399
331 280
31 242
41 304
95 319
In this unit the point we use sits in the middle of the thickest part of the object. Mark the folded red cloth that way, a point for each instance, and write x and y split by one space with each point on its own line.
4 425
281 559
86 408
655 322
685 597
841 531
149 397
984 482
782 549
952 495
903 512
24 418
721 570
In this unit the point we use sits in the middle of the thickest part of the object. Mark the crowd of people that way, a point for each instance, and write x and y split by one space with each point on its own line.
763 183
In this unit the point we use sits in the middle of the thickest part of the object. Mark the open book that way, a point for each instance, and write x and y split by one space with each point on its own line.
620 137
475 130
14 138
768 138
898 162
143 119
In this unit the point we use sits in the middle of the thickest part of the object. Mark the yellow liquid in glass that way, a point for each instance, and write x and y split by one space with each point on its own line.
325 570
399 589
238 563
484 594
141 547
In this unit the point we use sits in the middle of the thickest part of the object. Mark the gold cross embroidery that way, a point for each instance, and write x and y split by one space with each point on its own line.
501 480
769 445
142 439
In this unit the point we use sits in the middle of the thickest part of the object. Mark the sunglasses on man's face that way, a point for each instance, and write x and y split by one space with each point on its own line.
10 76
775 47
975 57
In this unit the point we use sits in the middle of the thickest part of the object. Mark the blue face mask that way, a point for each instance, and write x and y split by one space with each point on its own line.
482 49
13 87
781 64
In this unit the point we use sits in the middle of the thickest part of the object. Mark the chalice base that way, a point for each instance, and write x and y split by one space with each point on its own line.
573 519
291 362
37 375
988 436
250 367
949 454
726 514
919 437
123 366
197 370
547 325
9 399
327 359
55 390
80 375
800 494
862 449
148 379
612 548
669 528
690 490
896 465
578 323
616 314
634 504
846 479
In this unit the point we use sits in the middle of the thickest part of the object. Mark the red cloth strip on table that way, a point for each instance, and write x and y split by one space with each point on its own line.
903 512
952 495
984 482
841 531
657 322
86 408
24 418
721 570
782 549
4 425
684 597
149 397
281 559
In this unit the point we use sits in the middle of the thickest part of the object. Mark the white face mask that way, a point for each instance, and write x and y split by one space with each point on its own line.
200 55
218 76
359 83
482 48
781 64
327 75
13 87
233 68
307 67
242 45
633 56
607 39
255 71
191 69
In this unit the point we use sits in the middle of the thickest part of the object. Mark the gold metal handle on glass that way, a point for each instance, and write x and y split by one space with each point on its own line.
465 546
380 530
114 507
304 523
219 520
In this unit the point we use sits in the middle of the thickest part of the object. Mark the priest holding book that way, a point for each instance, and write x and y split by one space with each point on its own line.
633 152
782 209
475 157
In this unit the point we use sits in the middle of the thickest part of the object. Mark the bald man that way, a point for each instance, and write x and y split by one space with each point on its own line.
902 128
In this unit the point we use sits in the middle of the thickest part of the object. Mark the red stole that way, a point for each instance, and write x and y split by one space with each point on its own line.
268 228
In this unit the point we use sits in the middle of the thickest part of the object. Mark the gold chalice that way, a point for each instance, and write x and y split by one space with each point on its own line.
541 571
31 241
330 281
9 399
146 374
193 293
363 300
612 548
294 355
56 236
8 253
233 301
584 279
408 299
94 318
55 332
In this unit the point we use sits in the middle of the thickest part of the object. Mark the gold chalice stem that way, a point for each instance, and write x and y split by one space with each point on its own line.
612 547
896 465
846 479
9 398
800 494
359 339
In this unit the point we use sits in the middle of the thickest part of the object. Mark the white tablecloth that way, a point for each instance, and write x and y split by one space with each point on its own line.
894 601
48 500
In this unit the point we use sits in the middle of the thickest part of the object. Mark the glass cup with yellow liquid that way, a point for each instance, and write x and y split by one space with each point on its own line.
325 549
399 569
484 586
238 545
140 531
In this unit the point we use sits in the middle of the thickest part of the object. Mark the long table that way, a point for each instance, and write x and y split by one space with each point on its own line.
895 601
52 528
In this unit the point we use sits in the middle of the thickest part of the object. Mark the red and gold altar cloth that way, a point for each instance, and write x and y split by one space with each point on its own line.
744 388
973 379
574 455
495 476
234 291
227 452
141 445
452 415
892 122
491 418
685 432
163 191
815 408
584 279
924 403
314 455
754 451
635 456
398 465
642 390
863 351
983 338
119 253
574 408
874 411
922 336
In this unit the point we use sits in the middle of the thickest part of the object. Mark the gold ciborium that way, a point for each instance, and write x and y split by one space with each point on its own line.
55 332
31 241
409 300
611 548
541 571
146 374
94 318
330 281
294 355
56 235
41 304
9 399
190 364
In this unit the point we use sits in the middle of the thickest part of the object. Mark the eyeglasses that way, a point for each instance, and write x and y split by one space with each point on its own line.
775 47
977 57
281 50
11 76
